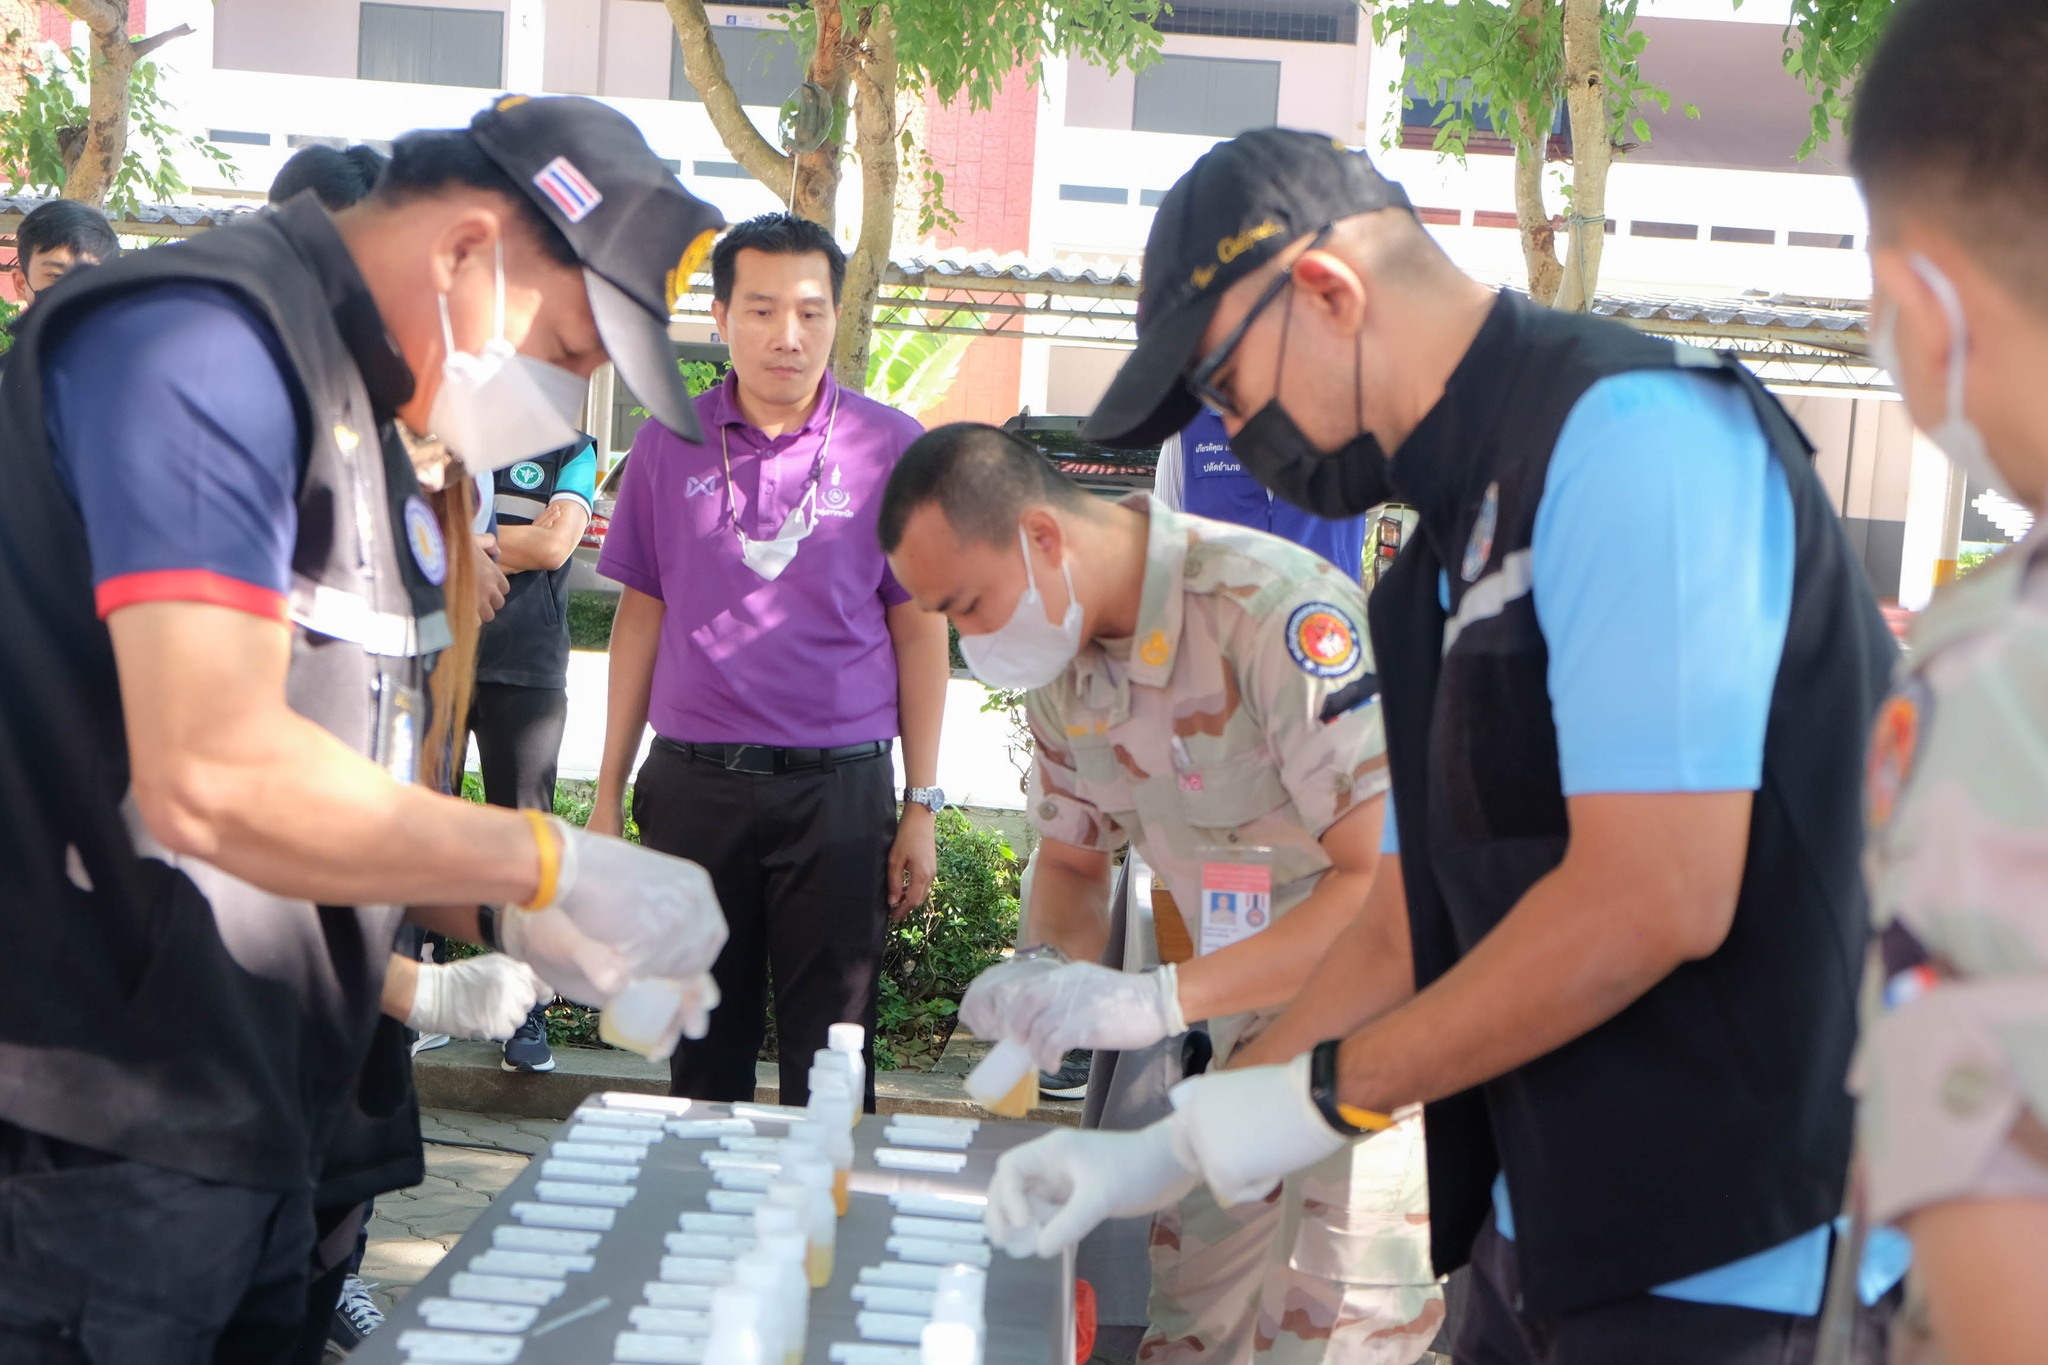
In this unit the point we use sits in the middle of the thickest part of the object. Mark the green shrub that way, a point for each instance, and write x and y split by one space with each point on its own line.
959 932
590 619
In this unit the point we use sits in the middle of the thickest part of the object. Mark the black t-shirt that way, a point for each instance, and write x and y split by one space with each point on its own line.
527 643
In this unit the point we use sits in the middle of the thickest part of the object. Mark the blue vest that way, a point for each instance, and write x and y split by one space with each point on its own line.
1214 485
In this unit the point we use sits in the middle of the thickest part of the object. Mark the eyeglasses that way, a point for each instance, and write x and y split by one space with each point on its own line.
1202 379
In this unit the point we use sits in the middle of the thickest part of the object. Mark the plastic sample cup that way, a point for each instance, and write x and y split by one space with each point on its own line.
1006 1081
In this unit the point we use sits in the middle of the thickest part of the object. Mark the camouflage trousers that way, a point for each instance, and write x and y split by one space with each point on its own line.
1331 1268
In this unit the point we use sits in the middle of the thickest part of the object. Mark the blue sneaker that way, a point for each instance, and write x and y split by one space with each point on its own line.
527 1050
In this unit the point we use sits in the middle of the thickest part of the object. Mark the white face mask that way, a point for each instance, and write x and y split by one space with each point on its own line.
769 558
1027 651
1955 433
498 407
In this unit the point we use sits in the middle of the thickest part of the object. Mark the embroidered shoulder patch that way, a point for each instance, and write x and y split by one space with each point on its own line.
1322 639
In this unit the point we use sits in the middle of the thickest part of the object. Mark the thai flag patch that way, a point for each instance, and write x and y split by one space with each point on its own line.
561 182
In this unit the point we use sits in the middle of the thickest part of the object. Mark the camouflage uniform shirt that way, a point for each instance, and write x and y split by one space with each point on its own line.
1207 729
1953 1068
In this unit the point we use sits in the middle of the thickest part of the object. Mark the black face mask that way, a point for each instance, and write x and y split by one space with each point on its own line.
1344 482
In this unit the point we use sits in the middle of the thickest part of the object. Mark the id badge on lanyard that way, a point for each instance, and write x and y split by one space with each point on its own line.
1237 895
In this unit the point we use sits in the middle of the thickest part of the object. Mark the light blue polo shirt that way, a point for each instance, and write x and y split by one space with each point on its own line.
1665 623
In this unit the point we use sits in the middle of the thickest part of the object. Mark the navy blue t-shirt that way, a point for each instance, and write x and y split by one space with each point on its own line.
178 436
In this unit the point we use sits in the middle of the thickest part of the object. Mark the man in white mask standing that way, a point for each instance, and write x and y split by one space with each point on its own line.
761 634
1952 1073
1205 691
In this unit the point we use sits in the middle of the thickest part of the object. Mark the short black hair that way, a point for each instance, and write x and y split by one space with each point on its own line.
778 234
425 163
982 478
66 223
1951 119
338 176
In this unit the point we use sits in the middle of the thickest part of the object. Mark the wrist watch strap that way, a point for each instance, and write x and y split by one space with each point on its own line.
1347 1119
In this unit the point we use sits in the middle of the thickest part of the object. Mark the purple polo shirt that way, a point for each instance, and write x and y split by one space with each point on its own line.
804 661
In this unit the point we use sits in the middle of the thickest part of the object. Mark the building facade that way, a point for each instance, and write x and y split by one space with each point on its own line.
1717 208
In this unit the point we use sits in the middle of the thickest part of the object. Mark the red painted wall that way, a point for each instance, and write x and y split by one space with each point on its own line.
986 159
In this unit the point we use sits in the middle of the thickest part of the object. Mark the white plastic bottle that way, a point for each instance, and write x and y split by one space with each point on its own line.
848 1040
821 1220
764 1275
640 1017
828 1130
735 1327
948 1343
793 1302
1006 1081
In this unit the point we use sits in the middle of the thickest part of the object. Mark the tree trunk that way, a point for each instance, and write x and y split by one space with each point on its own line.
705 68
1592 150
1532 148
874 121
90 173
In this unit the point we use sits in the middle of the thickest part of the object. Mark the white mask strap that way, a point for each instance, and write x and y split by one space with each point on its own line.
1959 331
501 286
1024 544
447 332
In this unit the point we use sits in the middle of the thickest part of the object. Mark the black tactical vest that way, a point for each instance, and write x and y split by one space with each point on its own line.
152 1006
1709 1120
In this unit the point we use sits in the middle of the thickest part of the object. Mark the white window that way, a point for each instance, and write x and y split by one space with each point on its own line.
423 45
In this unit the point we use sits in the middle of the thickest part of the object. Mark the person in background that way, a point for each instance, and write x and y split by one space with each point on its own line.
521 705
760 631
337 176
1953 1067
56 237
1208 697
1627 671
1197 474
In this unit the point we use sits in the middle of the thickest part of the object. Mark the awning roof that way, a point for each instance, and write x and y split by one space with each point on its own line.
145 220
1789 341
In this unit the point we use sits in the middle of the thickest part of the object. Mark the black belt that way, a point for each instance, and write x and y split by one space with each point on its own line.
766 759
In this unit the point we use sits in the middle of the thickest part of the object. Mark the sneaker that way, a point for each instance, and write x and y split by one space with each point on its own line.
1070 1082
427 1042
527 1050
355 1317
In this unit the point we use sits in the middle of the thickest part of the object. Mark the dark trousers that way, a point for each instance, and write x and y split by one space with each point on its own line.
800 861
518 741
1637 1330
105 1261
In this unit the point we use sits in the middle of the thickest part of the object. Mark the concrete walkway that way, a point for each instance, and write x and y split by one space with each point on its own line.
414 1228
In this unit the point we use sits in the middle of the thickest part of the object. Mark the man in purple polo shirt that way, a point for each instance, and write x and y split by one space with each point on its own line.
761 633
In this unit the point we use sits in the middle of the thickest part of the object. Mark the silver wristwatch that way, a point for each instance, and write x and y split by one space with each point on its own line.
931 798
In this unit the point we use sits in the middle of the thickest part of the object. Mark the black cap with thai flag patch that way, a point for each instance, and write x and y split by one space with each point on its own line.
639 234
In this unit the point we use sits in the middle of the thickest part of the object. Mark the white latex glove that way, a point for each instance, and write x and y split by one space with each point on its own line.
577 965
987 1007
1081 1004
1049 1194
478 997
1245 1130
659 912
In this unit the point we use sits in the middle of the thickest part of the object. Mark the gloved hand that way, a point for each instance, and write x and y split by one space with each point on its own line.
1244 1130
986 1008
1081 1004
577 965
478 997
1049 1194
658 912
